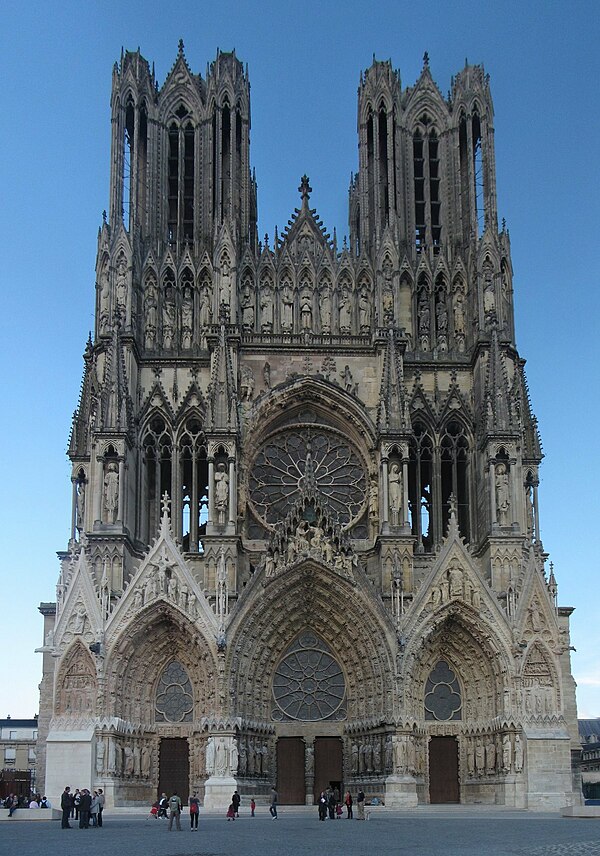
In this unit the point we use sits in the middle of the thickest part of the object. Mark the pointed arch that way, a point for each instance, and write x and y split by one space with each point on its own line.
76 683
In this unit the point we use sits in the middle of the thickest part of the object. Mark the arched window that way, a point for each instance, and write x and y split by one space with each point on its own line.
194 484
174 701
427 191
478 177
443 701
180 191
420 473
454 455
157 464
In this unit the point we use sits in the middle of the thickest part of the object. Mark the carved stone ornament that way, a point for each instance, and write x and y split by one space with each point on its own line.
309 684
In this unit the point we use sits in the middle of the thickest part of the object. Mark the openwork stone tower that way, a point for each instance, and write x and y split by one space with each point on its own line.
305 542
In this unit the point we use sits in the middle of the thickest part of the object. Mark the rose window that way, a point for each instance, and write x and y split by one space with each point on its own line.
174 700
442 694
309 684
321 461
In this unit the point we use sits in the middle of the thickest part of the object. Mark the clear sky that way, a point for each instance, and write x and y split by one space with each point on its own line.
304 62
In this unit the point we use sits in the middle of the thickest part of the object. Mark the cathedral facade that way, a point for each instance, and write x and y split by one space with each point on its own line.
305 543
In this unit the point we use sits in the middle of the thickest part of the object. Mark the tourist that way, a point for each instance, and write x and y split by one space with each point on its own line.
194 811
230 812
252 807
360 801
85 805
45 803
101 801
323 806
163 805
236 800
34 803
66 804
331 803
94 809
174 811
273 806
13 804
348 804
75 804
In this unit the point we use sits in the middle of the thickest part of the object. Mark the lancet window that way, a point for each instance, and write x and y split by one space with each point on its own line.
454 460
193 468
157 473
420 479
180 190
427 190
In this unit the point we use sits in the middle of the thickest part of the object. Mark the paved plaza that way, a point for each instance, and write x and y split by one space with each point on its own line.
422 832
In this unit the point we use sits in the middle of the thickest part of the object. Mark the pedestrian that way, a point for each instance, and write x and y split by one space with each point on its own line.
75 805
331 803
34 803
360 802
66 804
85 805
273 806
101 801
194 811
13 805
153 811
163 805
348 803
45 803
174 811
230 812
94 809
236 800
252 807
323 806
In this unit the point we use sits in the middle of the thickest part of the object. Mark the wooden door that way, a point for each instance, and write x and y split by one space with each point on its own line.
290 771
443 770
328 764
174 775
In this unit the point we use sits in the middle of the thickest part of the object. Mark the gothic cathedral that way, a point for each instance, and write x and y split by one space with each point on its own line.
305 543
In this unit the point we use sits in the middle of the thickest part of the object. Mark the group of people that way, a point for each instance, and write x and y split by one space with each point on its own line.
83 806
15 801
171 808
330 805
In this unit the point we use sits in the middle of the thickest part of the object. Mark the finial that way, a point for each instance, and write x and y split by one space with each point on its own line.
164 504
504 224
305 189
452 504
426 60
104 216
266 240
180 47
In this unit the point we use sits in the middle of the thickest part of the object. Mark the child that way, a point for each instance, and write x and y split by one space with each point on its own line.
230 812
252 807
153 812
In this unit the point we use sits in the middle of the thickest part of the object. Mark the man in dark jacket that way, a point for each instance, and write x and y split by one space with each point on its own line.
84 809
235 801
66 804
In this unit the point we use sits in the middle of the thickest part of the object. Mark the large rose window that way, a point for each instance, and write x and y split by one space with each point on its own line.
319 460
309 684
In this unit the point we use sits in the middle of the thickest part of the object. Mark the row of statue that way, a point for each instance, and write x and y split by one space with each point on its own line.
162 582
455 585
492 754
309 539
130 759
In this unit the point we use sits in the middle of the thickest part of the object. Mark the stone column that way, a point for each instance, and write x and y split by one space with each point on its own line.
385 503
99 490
536 515
493 492
73 506
405 491
232 492
514 497
211 491
309 769
121 500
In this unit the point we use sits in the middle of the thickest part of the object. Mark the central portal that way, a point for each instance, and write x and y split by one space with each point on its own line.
174 767
290 770
328 765
443 770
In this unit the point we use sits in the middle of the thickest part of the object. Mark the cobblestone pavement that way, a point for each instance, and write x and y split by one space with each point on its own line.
295 833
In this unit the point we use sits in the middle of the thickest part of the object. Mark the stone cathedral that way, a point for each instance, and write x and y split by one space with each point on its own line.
305 545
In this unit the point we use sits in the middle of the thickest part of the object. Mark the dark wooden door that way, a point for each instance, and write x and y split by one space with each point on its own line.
328 764
443 770
174 775
290 771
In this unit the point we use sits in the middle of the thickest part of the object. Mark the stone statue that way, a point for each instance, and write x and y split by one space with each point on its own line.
348 380
506 753
470 758
234 757
441 314
306 309
111 492
129 763
100 755
168 318
287 309
364 311
210 756
490 756
309 760
395 493
187 318
146 761
225 284
518 753
205 305
325 309
389 754
459 313
80 504
220 757
267 375
354 758
221 491
502 494
122 285
479 757
104 302
247 383
247 304
136 759
345 312
424 322
150 315
266 309
172 588
455 577
138 600
112 753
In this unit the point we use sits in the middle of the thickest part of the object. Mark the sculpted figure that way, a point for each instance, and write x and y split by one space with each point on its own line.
146 761
287 309
364 311
210 756
111 492
306 309
267 375
424 322
234 757
128 753
247 383
220 757
479 757
100 754
104 302
172 588
187 318
266 309
354 758
80 505
518 753
247 304
205 304
168 319
122 285
150 315
506 753
325 309
345 312
225 286
221 490
490 756
459 313
395 493
502 494
456 581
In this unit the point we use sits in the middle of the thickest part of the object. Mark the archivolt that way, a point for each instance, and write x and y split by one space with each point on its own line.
311 597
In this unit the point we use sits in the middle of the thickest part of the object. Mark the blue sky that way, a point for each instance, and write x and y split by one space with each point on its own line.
304 62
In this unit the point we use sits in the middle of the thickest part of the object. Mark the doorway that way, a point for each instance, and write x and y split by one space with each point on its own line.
328 765
174 769
290 771
443 770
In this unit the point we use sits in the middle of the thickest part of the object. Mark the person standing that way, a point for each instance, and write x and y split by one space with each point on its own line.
236 800
75 804
101 801
94 809
323 806
252 807
175 811
348 802
66 804
273 806
194 811
85 805
360 801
